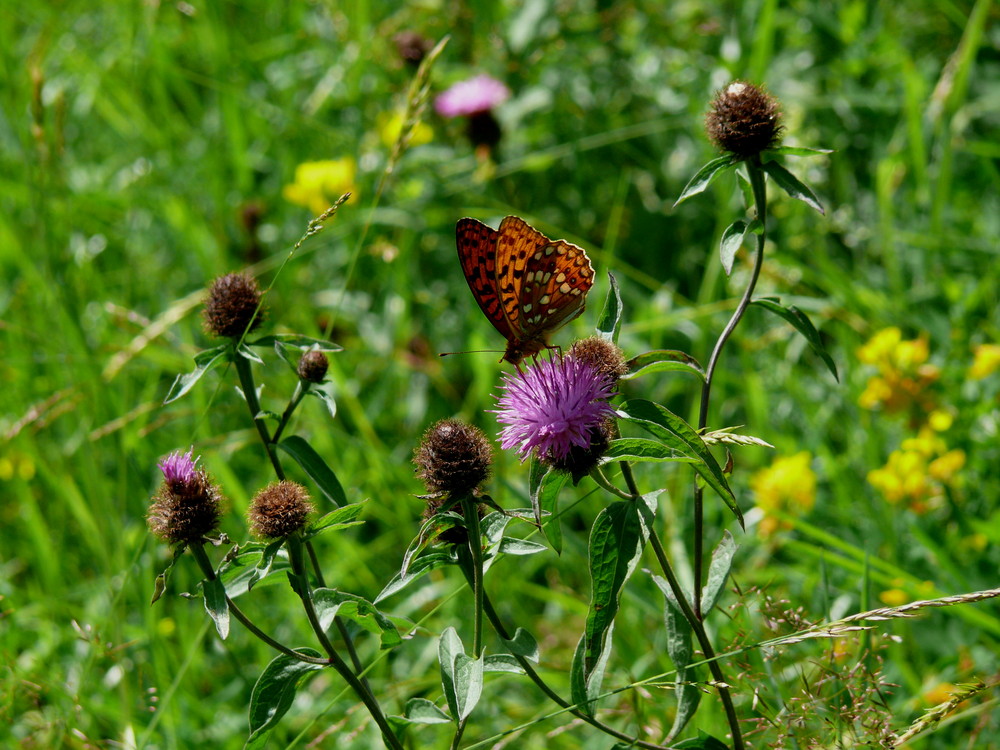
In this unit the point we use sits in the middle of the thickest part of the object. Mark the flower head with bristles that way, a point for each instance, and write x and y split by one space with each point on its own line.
553 406
187 506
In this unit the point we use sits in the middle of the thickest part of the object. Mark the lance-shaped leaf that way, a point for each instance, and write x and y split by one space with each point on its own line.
704 177
641 449
461 675
682 437
204 361
610 323
544 485
663 360
617 539
701 742
732 240
216 605
792 185
421 711
803 325
273 694
330 603
324 392
680 650
315 467
718 571
160 585
417 568
797 151
523 644
335 520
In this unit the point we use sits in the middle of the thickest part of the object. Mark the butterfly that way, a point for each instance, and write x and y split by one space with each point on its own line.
527 285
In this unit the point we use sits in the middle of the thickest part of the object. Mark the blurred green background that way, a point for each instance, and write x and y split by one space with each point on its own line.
146 148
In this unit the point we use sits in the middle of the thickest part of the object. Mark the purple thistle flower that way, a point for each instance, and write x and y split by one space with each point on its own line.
178 467
553 406
471 96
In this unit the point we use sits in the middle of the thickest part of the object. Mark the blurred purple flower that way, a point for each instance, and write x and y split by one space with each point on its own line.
178 467
553 406
471 96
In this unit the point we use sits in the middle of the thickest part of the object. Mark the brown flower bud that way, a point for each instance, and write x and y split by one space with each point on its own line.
313 366
187 506
744 120
453 457
233 305
602 355
278 510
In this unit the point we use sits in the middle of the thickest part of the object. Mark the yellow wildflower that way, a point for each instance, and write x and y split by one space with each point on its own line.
390 127
318 184
986 361
788 485
939 693
940 420
894 597
903 377
918 472
943 468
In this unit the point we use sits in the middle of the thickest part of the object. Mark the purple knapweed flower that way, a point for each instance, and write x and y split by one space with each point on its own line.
178 467
471 97
553 406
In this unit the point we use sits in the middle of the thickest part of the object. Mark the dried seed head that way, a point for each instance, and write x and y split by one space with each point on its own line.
233 300
601 354
313 366
744 120
453 457
278 510
187 506
412 47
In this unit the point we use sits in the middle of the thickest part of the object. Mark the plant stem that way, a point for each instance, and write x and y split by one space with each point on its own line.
706 645
250 394
759 189
529 670
300 393
470 510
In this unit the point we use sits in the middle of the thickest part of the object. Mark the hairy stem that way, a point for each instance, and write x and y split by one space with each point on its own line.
756 175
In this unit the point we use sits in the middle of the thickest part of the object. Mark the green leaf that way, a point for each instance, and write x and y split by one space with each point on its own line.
461 675
243 350
315 467
273 694
294 340
732 240
680 650
160 584
641 449
803 325
330 603
523 644
324 392
513 546
718 571
617 539
204 361
545 500
701 742
796 151
680 436
216 605
502 663
704 177
422 711
791 185
663 360
417 568
610 323
341 518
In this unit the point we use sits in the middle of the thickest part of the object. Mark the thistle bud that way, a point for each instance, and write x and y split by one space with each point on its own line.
580 461
602 355
744 120
278 510
187 505
313 366
233 305
453 457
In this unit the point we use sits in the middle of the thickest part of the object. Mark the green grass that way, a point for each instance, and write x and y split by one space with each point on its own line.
132 136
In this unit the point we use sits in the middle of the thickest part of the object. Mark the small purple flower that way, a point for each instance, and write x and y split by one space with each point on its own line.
178 467
553 406
471 96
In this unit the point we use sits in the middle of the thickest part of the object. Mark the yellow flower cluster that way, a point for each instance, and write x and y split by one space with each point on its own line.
904 375
919 472
986 361
318 184
787 485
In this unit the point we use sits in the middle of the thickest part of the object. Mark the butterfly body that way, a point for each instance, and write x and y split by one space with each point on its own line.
527 285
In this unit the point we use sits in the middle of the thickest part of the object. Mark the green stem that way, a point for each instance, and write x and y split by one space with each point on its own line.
300 393
250 394
759 189
297 560
706 645
470 510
